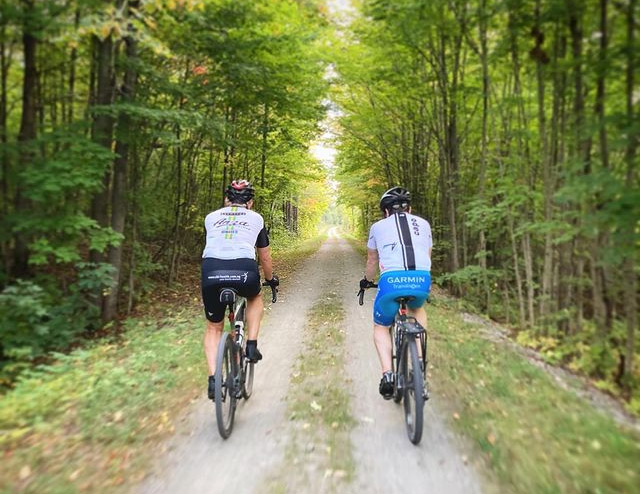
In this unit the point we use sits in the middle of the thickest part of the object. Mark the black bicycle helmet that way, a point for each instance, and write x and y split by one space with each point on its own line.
395 199
240 192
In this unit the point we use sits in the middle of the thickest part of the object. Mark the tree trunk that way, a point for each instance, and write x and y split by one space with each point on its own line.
28 128
263 151
120 171
454 156
175 245
528 267
630 263
583 144
135 181
178 215
102 130
72 73
5 62
547 268
484 58
516 268
559 287
601 296
601 87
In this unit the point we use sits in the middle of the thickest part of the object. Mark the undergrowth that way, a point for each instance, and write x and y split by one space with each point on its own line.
92 419
535 435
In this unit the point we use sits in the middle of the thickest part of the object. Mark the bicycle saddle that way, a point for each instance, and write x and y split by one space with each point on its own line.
228 296
408 298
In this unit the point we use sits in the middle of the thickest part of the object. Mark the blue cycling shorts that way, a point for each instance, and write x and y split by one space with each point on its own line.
394 284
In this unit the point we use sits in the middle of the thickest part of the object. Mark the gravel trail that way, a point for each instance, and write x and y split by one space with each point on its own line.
198 460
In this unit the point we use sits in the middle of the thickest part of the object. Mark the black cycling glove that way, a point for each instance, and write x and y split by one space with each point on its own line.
365 283
273 282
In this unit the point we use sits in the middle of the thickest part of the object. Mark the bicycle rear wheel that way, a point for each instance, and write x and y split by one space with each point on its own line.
395 361
413 384
226 370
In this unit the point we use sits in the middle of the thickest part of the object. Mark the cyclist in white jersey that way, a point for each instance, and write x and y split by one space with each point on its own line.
400 245
233 234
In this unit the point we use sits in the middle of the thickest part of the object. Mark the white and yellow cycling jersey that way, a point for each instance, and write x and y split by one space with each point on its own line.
234 232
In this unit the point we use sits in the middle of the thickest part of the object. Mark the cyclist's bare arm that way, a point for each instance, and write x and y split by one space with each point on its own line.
264 254
372 264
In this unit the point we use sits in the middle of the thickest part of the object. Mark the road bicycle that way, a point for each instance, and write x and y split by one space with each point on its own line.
234 372
409 361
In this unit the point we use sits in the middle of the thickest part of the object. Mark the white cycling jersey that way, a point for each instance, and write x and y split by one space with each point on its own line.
403 241
234 232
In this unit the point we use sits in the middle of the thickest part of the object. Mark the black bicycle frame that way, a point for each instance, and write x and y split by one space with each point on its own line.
407 326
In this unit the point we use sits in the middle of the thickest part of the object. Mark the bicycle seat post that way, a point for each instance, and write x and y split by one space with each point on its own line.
403 306
228 298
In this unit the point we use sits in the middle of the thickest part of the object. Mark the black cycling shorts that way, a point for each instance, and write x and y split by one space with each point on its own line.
240 274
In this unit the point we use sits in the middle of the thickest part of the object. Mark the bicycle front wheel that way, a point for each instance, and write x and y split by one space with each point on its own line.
247 387
226 370
413 384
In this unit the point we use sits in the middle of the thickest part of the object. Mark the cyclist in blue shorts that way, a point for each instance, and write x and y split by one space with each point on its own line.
400 244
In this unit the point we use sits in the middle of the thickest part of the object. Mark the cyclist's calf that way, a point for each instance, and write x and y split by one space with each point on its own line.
255 309
212 335
420 314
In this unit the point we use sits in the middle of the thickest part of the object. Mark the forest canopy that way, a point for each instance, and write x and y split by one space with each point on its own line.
515 125
121 123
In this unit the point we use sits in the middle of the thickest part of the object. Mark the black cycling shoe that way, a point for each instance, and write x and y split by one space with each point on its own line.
212 388
386 385
253 354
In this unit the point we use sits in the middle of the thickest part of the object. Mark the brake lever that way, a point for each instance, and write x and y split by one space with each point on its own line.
274 292
361 293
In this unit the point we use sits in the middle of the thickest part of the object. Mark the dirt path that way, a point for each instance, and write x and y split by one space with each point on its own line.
198 460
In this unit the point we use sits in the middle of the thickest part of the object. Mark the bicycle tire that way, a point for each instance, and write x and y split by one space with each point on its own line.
395 361
413 384
247 385
225 396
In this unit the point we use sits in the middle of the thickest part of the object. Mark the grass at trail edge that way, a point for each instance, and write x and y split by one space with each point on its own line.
81 423
92 420
536 436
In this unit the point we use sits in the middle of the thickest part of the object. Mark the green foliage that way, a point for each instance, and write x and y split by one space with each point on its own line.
35 319
587 352
533 434
115 397
57 185
470 275
75 166
516 129
192 95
